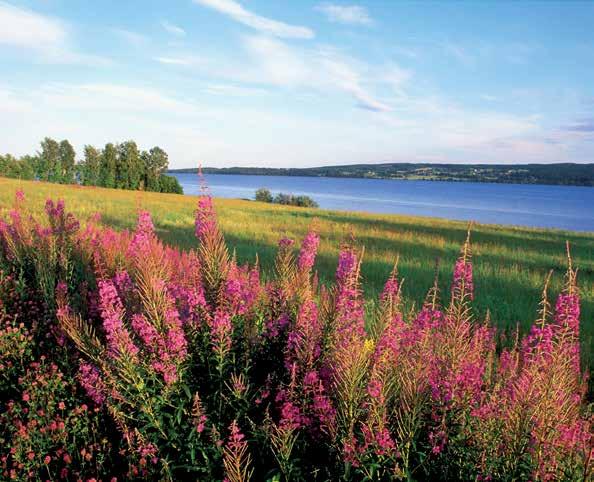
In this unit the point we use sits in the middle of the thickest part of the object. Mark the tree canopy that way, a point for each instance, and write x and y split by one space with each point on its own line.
121 166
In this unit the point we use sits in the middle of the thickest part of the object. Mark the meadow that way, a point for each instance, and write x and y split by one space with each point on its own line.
511 263
124 357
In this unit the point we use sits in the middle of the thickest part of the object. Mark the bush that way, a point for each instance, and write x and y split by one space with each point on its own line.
292 200
209 373
305 202
170 184
263 195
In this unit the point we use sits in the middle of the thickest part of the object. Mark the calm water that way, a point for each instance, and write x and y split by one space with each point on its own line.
563 207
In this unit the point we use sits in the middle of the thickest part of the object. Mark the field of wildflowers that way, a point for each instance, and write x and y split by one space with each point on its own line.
122 357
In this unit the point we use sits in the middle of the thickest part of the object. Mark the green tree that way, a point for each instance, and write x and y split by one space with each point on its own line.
90 167
107 169
155 163
27 167
67 161
22 168
7 166
129 168
48 166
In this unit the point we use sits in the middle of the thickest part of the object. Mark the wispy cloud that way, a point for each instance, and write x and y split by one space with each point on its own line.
266 25
322 69
110 96
173 29
585 126
47 37
460 53
27 29
230 90
489 97
133 38
394 76
184 60
270 62
347 14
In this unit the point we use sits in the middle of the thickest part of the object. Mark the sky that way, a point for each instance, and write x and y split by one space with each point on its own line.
274 83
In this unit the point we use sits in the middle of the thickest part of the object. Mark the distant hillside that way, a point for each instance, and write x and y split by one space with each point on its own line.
564 174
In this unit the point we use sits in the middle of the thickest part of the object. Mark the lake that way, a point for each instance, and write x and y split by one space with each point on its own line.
562 207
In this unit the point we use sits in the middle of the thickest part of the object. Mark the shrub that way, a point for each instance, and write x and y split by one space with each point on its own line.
263 195
209 373
170 184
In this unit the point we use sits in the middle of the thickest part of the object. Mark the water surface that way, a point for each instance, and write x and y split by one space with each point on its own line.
563 207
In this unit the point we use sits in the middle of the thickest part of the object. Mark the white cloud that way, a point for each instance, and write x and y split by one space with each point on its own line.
173 29
275 62
45 36
184 60
230 90
321 69
266 25
272 62
108 96
26 29
418 129
348 14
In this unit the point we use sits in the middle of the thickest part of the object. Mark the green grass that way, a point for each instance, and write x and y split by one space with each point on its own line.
510 263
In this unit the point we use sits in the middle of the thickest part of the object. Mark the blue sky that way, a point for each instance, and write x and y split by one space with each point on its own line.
302 83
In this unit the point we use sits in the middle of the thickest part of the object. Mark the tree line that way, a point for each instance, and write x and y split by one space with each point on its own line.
120 166
569 174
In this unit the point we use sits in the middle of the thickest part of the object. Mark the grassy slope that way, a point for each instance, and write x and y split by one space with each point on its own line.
510 263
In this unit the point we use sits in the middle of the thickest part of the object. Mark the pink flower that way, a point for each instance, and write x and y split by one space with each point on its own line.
145 331
303 343
374 389
221 330
350 316
144 233
19 196
206 220
286 243
463 281
307 254
567 312
236 441
350 451
90 379
119 341
145 224
391 289
242 288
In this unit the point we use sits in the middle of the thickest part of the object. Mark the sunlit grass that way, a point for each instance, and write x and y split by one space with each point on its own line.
510 263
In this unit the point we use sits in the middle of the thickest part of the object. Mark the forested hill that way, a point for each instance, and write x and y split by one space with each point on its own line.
565 174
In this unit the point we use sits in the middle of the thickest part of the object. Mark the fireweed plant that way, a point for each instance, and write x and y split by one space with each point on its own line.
122 358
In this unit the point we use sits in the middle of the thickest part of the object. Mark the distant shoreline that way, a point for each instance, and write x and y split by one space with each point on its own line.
563 174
